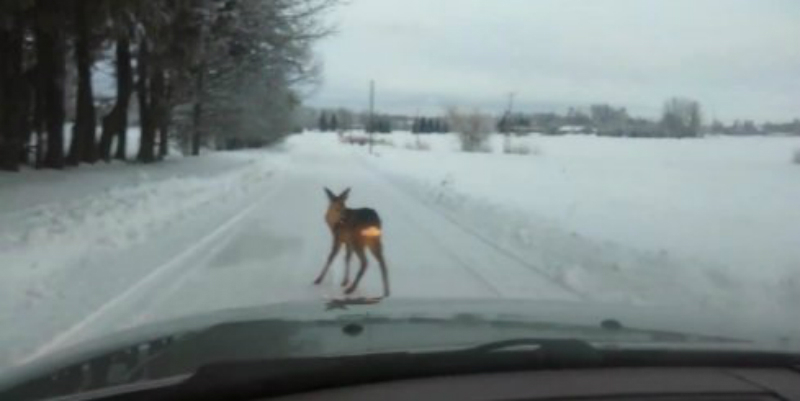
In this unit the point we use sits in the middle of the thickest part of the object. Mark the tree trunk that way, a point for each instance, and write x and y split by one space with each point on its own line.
163 129
115 124
124 86
147 137
51 56
108 124
27 98
12 103
5 47
83 146
197 113
157 102
163 136
164 116
38 114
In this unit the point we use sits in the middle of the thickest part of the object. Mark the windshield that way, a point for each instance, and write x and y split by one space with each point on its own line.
164 160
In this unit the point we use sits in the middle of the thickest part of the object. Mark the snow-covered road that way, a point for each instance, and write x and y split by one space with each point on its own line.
261 246
278 249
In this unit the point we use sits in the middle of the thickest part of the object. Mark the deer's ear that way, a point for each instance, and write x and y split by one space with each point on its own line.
344 194
331 196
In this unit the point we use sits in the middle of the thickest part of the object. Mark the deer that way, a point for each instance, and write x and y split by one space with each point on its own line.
357 230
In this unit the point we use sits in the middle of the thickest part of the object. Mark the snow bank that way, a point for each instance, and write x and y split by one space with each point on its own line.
44 243
21 193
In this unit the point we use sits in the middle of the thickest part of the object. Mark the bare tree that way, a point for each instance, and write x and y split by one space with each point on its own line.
234 70
121 22
51 50
83 145
12 85
473 128
682 117
346 119
248 96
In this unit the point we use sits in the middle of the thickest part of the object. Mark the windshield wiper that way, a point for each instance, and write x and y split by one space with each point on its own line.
547 351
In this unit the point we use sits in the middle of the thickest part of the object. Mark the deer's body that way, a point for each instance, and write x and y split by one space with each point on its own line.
357 230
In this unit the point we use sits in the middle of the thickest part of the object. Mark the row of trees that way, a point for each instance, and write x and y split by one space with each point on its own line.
217 72
327 124
379 124
345 120
749 127
424 125
681 117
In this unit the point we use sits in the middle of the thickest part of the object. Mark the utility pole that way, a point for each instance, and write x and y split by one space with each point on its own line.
507 142
416 135
371 124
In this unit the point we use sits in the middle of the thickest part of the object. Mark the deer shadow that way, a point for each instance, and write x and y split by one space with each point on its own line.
345 303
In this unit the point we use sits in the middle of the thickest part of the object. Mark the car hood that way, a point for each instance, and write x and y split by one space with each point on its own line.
312 329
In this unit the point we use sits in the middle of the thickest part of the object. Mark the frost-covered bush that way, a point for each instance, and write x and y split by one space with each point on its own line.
473 129
418 145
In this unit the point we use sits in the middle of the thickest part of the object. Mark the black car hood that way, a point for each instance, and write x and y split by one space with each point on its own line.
294 330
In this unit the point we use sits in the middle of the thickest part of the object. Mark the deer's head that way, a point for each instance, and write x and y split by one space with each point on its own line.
336 206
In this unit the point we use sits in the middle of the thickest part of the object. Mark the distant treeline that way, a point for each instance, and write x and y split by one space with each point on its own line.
681 118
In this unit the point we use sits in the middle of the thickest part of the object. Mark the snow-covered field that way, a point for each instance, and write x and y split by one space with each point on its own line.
708 223
725 205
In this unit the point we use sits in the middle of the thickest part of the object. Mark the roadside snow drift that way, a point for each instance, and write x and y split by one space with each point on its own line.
81 247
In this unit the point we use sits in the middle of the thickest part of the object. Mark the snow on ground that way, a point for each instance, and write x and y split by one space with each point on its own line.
70 240
627 219
21 192
692 223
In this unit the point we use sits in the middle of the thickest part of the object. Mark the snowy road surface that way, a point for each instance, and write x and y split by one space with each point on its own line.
89 252
260 247
276 247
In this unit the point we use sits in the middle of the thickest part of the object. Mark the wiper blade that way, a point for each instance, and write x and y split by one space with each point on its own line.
549 351
548 344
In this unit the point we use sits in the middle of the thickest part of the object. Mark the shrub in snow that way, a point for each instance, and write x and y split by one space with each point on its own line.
796 156
383 142
522 149
418 145
473 129
363 140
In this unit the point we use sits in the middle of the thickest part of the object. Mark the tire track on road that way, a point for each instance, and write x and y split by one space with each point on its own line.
455 256
153 281
401 188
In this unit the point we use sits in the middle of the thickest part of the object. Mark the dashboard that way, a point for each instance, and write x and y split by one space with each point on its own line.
663 384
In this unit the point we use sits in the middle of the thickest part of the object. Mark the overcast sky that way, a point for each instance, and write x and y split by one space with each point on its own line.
740 59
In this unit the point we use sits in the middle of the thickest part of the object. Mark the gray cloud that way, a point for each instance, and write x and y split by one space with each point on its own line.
740 58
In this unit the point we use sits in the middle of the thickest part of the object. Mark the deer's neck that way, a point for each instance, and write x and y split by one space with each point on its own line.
334 218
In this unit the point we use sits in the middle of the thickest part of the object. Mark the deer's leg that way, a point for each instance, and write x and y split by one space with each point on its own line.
362 257
348 254
377 249
334 250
